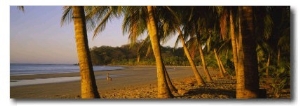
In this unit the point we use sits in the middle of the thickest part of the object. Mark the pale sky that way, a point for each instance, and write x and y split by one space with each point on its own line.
36 36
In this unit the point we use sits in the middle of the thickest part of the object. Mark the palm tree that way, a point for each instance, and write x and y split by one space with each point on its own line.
173 25
196 25
163 89
195 70
138 20
234 42
247 69
88 83
243 40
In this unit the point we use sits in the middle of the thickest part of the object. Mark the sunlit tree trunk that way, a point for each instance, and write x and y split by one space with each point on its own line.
163 89
233 40
208 78
88 83
222 66
219 64
199 79
247 73
138 58
170 84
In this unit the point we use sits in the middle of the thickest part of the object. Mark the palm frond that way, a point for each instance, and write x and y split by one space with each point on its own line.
67 15
21 8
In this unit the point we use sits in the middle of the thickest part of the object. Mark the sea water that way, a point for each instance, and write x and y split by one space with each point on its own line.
32 69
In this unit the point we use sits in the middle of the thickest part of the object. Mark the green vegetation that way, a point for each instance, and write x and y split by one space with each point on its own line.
133 55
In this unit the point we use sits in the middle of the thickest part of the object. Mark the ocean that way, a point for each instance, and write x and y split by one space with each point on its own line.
31 69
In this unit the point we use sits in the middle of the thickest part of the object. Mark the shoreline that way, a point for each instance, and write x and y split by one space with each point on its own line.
130 76
72 74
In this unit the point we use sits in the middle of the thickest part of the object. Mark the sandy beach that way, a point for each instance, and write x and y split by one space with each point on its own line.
128 77
132 82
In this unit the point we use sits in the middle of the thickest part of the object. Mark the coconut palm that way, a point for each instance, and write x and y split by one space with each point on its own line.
247 69
163 89
242 33
137 21
88 82
193 20
171 17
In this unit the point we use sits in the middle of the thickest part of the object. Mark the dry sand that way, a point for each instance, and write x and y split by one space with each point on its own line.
128 77
133 82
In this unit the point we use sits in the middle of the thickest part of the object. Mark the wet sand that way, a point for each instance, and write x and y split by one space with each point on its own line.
131 77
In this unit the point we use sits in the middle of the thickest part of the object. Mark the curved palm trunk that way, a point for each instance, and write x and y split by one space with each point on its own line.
219 64
222 66
163 89
199 79
88 83
233 41
208 78
247 73
170 84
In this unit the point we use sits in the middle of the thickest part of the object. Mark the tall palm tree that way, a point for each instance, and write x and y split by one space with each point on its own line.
136 22
247 69
243 40
195 70
196 25
163 89
88 83
172 21
233 36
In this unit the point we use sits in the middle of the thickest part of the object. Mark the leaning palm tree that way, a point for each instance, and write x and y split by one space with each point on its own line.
163 89
171 24
138 20
188 19
88 83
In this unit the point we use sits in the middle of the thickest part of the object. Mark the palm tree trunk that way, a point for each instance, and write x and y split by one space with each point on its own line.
247 73
268 65
163 89
138 58
233 41
219 64
208 78
222 66
170 84
199 79
88 83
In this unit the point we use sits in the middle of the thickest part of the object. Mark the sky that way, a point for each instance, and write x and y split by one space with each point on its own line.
36 36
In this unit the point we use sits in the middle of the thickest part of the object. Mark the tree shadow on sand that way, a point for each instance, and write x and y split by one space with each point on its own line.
219 89
209 93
